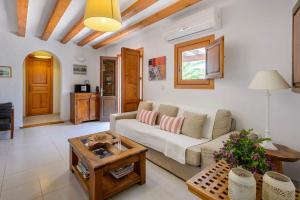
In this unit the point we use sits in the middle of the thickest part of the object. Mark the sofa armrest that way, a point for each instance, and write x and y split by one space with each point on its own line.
119 116
208 149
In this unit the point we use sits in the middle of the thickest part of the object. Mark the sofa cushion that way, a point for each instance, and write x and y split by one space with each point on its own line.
222 124
193 124
147 117
171 124
168 110
144 105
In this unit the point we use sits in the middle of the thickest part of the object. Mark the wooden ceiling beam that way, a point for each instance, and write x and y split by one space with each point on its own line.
58 12
22 10
89 38
162 14
136 8
132 10
73 31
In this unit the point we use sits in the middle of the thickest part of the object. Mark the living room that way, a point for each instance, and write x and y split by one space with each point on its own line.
258 35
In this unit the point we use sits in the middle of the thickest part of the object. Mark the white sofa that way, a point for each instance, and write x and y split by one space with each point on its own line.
162 144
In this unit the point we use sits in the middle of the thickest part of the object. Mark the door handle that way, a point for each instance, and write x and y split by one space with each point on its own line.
101 92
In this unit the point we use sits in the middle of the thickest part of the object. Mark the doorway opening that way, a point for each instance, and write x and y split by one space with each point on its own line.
121 82
42 89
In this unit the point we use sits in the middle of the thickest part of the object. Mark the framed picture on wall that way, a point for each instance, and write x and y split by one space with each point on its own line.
157 68
79 69
5 72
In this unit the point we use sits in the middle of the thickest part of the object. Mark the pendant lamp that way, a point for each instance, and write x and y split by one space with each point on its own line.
103 15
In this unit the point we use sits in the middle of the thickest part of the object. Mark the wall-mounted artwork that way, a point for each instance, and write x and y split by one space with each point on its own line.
80 69
157 68
5 72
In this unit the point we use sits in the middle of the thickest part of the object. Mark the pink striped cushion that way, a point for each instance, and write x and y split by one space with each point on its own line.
147 117
171 124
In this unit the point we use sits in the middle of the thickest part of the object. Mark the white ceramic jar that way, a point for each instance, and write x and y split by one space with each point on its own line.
241 185
277 186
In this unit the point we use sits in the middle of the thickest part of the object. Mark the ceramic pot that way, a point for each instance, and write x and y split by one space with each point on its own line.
277 186
241 185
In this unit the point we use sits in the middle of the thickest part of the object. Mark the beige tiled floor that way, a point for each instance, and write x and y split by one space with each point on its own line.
34 166
40 119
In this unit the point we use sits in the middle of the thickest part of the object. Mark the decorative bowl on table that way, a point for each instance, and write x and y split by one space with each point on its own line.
98 141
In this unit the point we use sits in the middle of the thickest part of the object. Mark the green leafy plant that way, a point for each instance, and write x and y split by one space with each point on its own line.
242 149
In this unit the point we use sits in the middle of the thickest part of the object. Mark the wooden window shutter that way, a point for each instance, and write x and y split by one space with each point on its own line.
215 59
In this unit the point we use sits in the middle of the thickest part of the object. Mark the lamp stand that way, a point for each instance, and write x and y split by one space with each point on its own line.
268 144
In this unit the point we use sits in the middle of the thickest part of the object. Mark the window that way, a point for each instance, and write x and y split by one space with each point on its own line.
198 62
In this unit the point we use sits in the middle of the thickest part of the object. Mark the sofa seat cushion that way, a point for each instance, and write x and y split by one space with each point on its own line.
162 141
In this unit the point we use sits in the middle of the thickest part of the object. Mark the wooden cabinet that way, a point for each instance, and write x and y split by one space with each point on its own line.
84 107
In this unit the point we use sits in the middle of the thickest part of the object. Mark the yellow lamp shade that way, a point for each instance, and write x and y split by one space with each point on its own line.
103 15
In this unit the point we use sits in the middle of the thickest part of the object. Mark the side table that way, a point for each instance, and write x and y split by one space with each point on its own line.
283 154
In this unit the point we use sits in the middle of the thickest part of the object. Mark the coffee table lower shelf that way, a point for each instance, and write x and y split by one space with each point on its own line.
111 185
101 184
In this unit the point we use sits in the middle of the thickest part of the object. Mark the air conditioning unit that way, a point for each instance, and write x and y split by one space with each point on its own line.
206 20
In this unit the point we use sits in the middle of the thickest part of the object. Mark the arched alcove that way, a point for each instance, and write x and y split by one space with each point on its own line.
41 88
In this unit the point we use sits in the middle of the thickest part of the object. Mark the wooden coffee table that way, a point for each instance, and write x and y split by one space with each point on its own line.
101 184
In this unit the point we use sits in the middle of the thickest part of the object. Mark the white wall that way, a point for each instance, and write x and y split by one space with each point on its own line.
56 85
13 51
257 36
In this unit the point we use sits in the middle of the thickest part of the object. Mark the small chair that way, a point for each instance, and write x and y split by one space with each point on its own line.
7 118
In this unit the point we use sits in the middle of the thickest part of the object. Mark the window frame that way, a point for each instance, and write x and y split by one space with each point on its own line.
186 46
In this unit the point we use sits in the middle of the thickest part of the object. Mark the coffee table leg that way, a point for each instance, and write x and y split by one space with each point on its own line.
140 168
73 159
96 178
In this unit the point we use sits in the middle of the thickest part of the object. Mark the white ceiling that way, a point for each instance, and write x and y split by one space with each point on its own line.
39 12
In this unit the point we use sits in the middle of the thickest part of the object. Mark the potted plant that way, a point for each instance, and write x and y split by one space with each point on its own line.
242 149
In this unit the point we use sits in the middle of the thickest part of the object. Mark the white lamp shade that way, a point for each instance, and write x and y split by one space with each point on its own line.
268 80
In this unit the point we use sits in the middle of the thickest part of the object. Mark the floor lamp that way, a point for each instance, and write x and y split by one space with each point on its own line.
268 80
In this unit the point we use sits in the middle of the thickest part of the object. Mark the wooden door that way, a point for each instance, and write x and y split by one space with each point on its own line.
39 80
131 93
109 87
